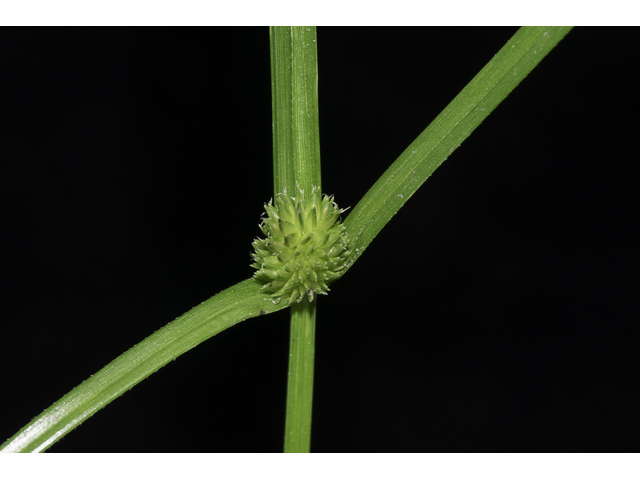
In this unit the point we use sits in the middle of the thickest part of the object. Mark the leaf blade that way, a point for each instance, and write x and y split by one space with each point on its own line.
227 308
449 129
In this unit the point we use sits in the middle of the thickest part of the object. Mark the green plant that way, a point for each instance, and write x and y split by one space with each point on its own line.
296 161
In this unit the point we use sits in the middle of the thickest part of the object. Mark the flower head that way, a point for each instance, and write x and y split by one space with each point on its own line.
305 247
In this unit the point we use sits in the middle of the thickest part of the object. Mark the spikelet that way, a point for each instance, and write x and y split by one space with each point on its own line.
305 247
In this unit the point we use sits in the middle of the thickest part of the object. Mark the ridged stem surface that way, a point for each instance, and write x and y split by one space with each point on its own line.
296 161
297 437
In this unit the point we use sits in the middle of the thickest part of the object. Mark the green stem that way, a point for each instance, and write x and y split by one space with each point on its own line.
296 160
297 438
294 98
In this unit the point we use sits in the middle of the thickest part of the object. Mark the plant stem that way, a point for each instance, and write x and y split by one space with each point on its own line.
294 99
297 438
296 160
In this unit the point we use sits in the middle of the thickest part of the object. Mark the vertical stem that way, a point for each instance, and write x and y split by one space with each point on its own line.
297 438
294 99
296 160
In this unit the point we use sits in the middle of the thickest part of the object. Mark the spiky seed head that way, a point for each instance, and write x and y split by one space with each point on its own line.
305 246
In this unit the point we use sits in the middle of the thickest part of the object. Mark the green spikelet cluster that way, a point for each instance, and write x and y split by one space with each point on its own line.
305 246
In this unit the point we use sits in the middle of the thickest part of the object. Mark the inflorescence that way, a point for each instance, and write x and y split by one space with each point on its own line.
305 248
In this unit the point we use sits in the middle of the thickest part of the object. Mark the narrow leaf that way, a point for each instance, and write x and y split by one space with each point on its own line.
239 302
433 146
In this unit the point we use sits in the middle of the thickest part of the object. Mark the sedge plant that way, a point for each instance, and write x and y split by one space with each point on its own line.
306 246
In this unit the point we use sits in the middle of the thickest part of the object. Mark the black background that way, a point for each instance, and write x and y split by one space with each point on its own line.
497 311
